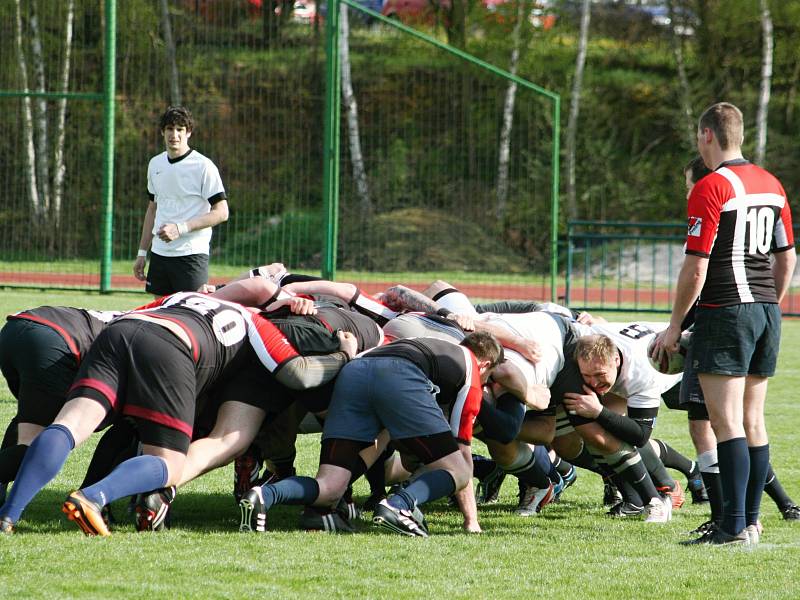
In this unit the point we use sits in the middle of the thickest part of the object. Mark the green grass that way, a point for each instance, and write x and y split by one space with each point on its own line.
571 550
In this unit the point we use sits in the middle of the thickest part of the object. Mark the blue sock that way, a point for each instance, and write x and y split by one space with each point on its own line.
428 486
292 490
734 471
135 475
543 459
42 462
759 465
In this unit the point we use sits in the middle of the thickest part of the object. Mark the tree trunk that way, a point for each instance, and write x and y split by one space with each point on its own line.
766 80
791 96
683 80
574 109
41 139
456 25
504 151
169 42
350 107
59 168
27 122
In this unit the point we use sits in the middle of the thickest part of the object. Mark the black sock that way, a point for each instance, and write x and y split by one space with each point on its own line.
673 459
118 444
376 474
734 473
562 466
482 466
759 465
656 468
774 488
10 436
585 461
10 460
714 491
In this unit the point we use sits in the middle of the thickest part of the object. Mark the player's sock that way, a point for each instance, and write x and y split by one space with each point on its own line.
482 466
585 460
759 465
138 474
42 462
376 476
629 493
627 462
118 443
734 471
656 468
10 460
10 435
545 463
709 471
292 490
527 468
564 468
429 486
673 459
775 490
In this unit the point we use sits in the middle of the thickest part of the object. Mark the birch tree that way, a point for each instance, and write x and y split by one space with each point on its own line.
767 45
574 108
350 107
685 91
59 166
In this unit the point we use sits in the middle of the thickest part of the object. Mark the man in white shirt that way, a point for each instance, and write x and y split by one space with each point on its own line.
187 199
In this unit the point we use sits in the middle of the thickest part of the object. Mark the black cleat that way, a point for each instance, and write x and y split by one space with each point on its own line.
718 537
371 502
791 512
611 495
488 489
703 528
253 511
626 509
327 520
6 526
152 510
696 487
405 522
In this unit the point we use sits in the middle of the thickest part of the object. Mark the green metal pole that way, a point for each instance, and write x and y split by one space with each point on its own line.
330 177
109 88
554 199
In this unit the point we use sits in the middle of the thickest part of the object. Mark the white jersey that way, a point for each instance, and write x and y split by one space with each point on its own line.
638 382
182 190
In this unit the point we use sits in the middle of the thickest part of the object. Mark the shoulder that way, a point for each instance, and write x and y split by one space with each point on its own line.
157 160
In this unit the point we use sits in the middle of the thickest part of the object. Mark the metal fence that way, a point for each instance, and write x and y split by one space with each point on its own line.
438 177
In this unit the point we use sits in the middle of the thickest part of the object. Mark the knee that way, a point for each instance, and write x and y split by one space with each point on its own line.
330 491
461 475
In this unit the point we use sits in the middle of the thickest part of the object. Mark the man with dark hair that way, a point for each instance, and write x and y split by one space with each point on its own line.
739 260
187 199
426 392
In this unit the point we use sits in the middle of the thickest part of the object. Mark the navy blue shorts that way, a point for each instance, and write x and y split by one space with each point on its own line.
169 274
738 340
375 393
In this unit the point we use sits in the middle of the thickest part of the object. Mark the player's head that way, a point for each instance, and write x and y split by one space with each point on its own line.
725 122
694 171
177 116
487 351
598 361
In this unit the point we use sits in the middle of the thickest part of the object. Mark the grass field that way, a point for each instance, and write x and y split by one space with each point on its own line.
571 550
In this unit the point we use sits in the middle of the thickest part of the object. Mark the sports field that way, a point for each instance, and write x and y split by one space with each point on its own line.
570 550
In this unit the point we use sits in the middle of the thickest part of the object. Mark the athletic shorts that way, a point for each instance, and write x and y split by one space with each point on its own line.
737 340
169 274
375 393
142 370
39 368
409 326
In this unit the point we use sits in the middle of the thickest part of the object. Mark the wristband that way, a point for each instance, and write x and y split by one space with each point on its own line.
183 228
443 312
141 253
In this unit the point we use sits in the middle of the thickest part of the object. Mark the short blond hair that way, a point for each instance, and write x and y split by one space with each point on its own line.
727 123
595 347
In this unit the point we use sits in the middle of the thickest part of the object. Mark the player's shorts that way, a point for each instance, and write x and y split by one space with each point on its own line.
375 393
170 274
39 368
416 325
737 340
144 371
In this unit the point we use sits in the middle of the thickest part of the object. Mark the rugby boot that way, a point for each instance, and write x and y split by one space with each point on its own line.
676 495
405 522
85 513
611 495
697 488
252 510
717 537
327 520
623 509
6 526
659 510
791 512
245 472
152 511
488 489
533 499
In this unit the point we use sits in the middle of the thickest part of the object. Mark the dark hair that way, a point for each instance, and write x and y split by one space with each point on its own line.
727 123
485 347
697 168
177 115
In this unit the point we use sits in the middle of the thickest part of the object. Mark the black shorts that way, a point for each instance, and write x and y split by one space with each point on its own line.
39 368
169 274
141 370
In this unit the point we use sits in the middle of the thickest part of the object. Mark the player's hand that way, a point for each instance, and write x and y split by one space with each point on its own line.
528 348
466 322
348 344
301 306
168 232
666 342
138 268
207 288
586 405
472 527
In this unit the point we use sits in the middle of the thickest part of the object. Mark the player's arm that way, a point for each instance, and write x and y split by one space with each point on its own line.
145 240
305 372
343 291
691 278
782 270
635 428
528 348
169 232
502 419
465 497
533 395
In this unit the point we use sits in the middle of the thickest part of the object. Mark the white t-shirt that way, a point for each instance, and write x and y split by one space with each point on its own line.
182 190
637 381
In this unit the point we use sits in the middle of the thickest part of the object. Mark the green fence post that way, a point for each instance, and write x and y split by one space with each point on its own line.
109 87
330 176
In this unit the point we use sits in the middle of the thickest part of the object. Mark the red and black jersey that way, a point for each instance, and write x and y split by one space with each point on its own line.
450 367
738 215
79 327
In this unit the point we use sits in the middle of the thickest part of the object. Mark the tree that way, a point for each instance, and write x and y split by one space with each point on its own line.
574 109
766 79
683 80
169 42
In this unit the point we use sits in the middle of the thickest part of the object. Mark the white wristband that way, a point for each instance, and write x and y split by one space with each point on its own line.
141 253
183 228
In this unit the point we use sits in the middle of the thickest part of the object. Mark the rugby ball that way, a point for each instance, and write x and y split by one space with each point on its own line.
670 364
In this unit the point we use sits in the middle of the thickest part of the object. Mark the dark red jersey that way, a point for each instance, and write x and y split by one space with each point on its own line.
738 215
79 327
450 367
